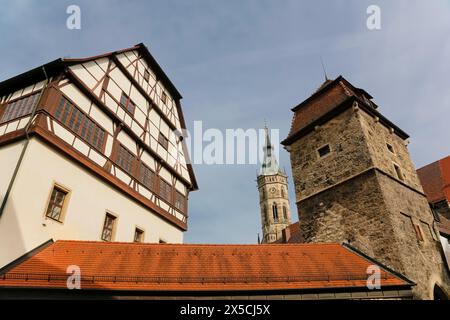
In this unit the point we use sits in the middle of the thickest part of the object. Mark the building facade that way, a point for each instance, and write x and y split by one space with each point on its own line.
90 149
273 196
355 183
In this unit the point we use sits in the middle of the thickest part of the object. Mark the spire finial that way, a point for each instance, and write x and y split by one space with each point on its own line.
323 68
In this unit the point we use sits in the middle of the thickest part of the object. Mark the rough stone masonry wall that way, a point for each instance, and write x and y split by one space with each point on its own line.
354 212
422 261
349 155
377 137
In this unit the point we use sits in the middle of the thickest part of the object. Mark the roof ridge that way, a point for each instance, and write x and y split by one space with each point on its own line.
199 244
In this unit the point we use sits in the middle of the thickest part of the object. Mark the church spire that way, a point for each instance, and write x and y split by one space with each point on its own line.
270 163
273 195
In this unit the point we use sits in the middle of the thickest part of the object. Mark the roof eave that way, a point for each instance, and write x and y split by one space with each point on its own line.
31 76
338 109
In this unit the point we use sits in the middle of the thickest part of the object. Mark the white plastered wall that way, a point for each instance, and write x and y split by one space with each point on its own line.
24 226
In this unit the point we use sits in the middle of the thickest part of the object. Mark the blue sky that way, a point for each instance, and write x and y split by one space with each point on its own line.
237 63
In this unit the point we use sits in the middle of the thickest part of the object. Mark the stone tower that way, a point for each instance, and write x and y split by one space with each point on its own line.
273 195
355 183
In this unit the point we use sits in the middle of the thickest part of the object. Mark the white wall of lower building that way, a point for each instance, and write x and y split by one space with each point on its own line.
9 155
24 226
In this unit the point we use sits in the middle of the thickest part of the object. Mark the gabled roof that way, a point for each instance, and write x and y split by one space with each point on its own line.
331 98
59 65
435 179
195 267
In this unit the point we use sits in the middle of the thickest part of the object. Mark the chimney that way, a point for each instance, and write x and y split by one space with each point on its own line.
286 233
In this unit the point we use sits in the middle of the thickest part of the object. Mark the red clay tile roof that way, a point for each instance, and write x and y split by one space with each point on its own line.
326 98
435 179
186 267
431 179
331 96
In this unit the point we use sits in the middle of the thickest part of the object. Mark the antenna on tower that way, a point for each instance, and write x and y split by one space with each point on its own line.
323 68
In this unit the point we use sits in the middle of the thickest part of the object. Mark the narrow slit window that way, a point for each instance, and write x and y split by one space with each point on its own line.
390 148
399 173
418 232
323 151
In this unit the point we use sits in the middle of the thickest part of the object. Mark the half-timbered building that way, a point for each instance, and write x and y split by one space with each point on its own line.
91 149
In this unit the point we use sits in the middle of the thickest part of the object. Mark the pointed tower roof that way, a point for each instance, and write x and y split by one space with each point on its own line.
270 164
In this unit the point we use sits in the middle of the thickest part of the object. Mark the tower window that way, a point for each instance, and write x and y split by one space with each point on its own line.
275 212
398 171
323 151
138 235
109 227
285 213
56 204
418 232
390 147
282 192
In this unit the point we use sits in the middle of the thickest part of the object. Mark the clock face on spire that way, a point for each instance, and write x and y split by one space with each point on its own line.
273 190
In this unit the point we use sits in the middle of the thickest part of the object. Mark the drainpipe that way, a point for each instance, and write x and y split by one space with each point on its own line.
25 146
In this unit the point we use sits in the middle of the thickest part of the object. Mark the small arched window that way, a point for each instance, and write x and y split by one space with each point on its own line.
282 192
275 212
284 213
